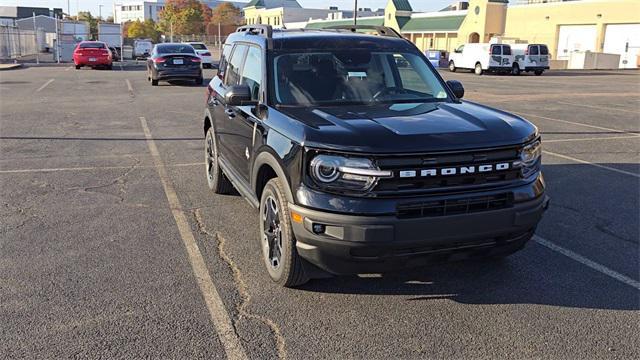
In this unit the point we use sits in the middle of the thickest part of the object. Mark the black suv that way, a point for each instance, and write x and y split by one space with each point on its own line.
360 158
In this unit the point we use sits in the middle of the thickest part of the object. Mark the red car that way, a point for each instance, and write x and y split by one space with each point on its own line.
92 53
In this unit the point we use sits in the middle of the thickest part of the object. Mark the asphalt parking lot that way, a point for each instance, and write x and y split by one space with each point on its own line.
112 246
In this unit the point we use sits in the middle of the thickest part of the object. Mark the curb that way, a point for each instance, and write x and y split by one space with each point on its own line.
9 66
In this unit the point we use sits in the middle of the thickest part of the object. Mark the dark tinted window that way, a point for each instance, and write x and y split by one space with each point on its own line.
533 50
92 45
495 50
175 49
252 72
506 50
544 50
199 46
232 76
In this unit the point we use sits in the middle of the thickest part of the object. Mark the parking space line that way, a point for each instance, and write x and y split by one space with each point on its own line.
89 168
592 264
129 87
593 138
592 164
598 107
67 69
45 85
219 316
574 123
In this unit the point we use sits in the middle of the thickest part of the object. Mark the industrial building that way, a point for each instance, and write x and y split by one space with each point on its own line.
132 10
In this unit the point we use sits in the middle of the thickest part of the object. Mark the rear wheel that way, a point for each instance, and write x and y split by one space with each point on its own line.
199 81
516 70
110 67
478 69
452 66
278 243
154 82
217 182
78 67
538 72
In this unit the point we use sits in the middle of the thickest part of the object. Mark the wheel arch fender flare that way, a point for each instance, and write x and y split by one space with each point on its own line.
267 158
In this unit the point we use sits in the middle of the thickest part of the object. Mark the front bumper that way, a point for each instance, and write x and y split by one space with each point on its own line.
365 244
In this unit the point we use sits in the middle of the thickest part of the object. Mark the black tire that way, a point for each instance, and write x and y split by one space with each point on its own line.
199 81
277 241
538 72
478 69
452 66
110 67
516 70
154 82
78 67
216 180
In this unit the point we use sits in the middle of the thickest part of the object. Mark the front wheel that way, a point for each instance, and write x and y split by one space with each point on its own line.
478 69
452 66
278 243
538 72
516 70
154 82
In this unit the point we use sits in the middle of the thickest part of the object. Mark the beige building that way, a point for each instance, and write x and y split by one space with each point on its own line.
610 26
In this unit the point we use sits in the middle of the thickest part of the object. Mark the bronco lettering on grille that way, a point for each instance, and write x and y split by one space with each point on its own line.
461 170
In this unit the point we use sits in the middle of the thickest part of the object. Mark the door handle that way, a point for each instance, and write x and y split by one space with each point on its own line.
230 112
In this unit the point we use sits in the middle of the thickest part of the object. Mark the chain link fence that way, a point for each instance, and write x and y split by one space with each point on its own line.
16 43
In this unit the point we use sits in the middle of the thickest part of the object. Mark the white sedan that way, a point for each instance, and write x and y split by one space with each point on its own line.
204 54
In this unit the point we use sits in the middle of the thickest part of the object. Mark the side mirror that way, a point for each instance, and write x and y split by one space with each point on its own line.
456 87
238 95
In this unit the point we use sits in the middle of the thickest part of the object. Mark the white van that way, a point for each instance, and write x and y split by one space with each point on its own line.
142 49
481 58
530 57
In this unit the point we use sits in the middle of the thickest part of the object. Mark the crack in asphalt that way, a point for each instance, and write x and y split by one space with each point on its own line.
120 180
242 287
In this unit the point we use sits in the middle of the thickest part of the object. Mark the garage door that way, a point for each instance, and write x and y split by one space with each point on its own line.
623 39
575 38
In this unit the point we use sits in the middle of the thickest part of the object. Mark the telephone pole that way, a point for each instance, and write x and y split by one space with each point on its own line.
355 13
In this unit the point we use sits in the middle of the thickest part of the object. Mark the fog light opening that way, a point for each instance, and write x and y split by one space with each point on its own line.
318 228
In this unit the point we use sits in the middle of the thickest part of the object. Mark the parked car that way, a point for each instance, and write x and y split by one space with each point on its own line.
93 54
142 49
482 58
530 57
115 54
174 61
362 159
204 53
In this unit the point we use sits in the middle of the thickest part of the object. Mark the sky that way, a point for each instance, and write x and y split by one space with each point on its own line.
107 9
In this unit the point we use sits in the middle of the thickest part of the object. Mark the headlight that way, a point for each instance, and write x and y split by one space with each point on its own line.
341 173
530 158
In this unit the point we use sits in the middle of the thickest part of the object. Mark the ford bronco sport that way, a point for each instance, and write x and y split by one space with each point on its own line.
360 158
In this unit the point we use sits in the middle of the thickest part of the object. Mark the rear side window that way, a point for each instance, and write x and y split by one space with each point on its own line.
92 46
506 50
533 50
252 72
495 50
544 50
232 76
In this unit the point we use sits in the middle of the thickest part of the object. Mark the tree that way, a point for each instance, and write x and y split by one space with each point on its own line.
109 19
93 22
183 17
142 30
226 14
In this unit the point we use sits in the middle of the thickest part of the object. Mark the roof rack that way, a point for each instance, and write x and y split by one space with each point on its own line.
258 29
381 30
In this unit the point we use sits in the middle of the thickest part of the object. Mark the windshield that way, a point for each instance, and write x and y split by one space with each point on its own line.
175 49
354 77
92 45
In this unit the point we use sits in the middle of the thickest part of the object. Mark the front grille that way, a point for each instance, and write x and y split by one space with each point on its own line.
454 206
397 185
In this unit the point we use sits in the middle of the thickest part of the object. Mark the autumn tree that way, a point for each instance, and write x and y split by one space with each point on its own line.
184 17
143 30
226 14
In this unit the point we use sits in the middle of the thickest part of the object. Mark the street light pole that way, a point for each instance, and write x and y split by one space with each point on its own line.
100 12
355 13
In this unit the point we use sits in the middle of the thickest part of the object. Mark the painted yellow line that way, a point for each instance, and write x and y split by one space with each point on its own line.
591 139
590 263
45 85
573 123
89 168
592 164
600 107
219 316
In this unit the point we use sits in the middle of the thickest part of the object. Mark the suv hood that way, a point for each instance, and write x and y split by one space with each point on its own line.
409 128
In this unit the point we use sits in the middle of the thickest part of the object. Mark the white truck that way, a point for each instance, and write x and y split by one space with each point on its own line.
111 35
482 57
530 57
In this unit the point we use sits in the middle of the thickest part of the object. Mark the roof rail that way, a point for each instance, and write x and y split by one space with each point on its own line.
381 30
258 29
